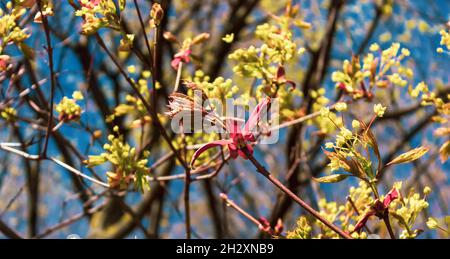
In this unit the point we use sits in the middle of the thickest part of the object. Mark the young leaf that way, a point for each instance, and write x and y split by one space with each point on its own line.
447 221
370 139
409 156
334 178
444 151
122 4
27 50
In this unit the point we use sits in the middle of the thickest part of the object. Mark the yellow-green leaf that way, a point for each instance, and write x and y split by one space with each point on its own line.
444 151
447 221
27 50
228 38
409 156
95 161
123 109
122 4
334 178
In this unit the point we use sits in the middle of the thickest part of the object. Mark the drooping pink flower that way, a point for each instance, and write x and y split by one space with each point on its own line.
239 137
390 197
379 209
182 56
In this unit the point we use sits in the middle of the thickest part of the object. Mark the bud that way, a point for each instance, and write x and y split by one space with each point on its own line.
97 134
48 11
223 196
373 68
77 95
228 38
4 62
303 24
126 44
341 106
264 224
157 14
356 124
279 227
170 37
379 110
374 47
348 69
356 64
383 83
324 112
200 38
291 10
432 223
94 161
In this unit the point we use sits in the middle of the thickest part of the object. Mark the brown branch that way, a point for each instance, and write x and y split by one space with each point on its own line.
235 24
213 208
52 77
8 232
373 26
70 220
313 78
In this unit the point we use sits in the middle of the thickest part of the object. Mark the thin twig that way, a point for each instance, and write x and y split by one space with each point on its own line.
13 199
10 147
70 220
244 213
8 232
260 169
177 80
52 77
147 44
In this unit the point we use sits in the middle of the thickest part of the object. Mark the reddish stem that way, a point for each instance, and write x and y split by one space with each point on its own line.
297 199
232 204
388 226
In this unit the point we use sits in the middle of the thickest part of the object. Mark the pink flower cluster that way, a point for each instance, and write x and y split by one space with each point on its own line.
379 209
239 138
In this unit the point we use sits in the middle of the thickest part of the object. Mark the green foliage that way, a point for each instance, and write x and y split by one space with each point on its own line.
134 107
302 231
379 69
68 108
406 210
9 114
219 89
10 31
128 166
97 15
